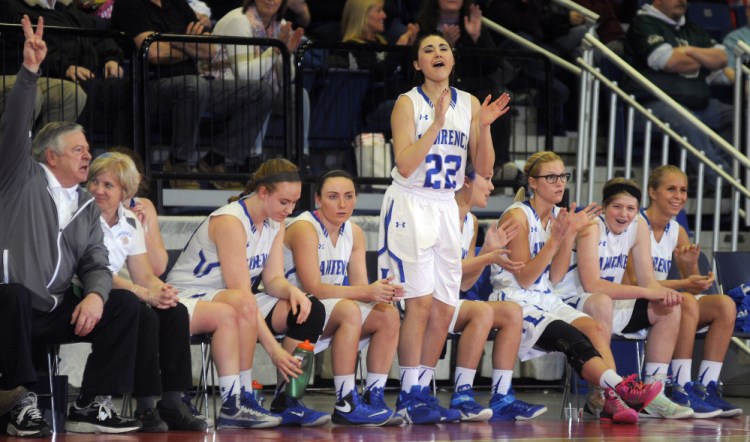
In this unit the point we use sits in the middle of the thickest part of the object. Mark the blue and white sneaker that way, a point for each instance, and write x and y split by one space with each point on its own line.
714 398
242 411
693 395
376 398
447 415
505 407
351 410
463 401
412 406
294 412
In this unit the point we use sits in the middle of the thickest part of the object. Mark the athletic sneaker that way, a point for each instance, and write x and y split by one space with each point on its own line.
447 415
180 418
376 398
151 421
689 398
506 407
662 408
99 417
294 412
637 394
26 419
616 410
714 396
194 411
351 410
241 411
412 406
463 401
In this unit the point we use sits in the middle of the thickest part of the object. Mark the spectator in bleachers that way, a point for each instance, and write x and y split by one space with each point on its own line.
363 21
203 12
325 20
670 245
163 349
400 13
184 96
535 22
95 64
263 19
475 319
51 235
56 99
594 286
609 29
680 58
730 41
324 254
460 22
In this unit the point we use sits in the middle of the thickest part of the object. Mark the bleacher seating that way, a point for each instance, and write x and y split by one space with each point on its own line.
715 18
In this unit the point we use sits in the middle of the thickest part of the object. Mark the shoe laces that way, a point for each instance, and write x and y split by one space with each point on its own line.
29 407
614 403
106 406
377 396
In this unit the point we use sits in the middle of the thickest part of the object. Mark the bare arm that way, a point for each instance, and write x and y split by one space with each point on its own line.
277 285
520 252
302 239
157 254
710 58
409 151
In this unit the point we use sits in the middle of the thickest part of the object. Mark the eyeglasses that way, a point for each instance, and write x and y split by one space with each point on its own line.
552 178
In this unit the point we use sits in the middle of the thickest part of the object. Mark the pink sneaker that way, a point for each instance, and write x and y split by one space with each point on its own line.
616 410
637 394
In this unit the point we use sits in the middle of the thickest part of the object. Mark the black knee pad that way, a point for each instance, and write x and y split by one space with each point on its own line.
312 328
563 337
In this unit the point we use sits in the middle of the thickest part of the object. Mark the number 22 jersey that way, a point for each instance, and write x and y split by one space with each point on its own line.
443 167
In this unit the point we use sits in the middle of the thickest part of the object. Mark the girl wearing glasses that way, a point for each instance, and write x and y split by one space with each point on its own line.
667 193
435 127
544 243
594 286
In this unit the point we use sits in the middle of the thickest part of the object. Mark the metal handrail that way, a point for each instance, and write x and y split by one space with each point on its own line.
663 126
664 97
505 32
590 15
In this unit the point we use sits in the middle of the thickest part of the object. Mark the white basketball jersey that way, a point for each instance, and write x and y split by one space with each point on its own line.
198 264
662 250
443 167
333 260
614 250
467 233
538 235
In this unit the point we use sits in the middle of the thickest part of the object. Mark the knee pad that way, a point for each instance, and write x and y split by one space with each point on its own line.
312 328
563 337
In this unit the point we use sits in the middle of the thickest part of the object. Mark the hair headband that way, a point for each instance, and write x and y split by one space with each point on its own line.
614 189
280 178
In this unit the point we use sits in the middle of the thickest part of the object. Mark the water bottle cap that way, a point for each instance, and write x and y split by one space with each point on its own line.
257 385
307 346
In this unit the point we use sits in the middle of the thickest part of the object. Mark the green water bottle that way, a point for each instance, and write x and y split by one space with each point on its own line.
304 353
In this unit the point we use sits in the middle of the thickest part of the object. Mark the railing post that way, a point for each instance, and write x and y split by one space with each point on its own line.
646 161
612 134
699 202
593 140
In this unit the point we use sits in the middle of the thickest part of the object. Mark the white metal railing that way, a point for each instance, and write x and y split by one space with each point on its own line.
591 80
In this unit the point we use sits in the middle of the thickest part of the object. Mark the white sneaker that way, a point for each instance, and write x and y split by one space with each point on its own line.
663 408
